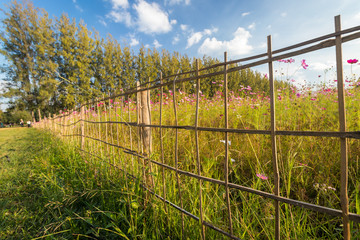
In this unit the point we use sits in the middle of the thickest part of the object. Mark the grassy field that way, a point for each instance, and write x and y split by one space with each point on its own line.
46 193
48 189
309 167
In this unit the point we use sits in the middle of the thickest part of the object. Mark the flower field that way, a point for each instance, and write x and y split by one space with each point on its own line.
309 166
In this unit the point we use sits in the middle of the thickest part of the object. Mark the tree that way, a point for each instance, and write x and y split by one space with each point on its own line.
82 70
18 47
66 59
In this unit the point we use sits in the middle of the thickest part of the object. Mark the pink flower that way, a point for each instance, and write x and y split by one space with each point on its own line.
313 99
298 95
352 61
303 64
262 176
266 76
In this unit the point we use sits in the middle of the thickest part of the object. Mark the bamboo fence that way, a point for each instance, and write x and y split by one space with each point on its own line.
115 129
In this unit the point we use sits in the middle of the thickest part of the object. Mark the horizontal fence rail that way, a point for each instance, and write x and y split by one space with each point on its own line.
96 125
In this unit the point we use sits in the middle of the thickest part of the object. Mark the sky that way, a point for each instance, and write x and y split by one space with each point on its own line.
210 27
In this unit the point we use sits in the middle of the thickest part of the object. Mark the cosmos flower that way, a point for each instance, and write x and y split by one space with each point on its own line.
303 64
262 176
352 61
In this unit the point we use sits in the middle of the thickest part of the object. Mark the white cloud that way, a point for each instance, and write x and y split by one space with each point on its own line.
184 27
237 46
321 66
245 14
175 40
121 16
151 19
157 44
210 31
194 38
102 22
197 36
252 26
147 46
284 14
173 21
174 2
357 16
119 4
79 8
133 41
263 45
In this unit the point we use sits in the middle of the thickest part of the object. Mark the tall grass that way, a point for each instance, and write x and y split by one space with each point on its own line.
309 166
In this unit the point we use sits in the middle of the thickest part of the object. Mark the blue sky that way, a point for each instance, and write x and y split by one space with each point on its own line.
210 27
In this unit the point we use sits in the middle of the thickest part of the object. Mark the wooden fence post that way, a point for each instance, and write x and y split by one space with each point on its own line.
344 168
273 139
82 127
145 133
54 123
33 117
39 115
49 121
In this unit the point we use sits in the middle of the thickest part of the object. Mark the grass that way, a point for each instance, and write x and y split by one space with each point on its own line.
309 166
52 190
48 192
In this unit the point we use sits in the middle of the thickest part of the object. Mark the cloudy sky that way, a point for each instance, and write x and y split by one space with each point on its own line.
210 27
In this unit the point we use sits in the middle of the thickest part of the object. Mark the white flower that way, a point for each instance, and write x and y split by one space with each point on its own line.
232 160
223 141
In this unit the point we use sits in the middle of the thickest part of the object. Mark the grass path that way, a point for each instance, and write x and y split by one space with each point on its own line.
18 190
48 192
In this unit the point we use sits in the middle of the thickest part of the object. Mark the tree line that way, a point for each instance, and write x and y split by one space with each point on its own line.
57 63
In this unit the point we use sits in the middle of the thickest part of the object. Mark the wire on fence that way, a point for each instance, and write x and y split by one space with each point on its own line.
334 39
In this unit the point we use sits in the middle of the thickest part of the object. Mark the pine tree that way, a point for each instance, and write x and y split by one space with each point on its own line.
84 73
28 46
45 67
66 59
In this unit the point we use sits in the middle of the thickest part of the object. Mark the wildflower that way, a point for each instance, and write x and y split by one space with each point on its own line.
223 141
298 95
232 160
352 61
248 88
262 176
279 97
266 76
313 99
303 64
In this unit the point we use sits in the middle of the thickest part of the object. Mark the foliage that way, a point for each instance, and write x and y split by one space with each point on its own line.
58 63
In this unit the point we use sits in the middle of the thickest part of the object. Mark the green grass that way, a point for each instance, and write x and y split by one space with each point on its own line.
50 190
309 166
47 191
